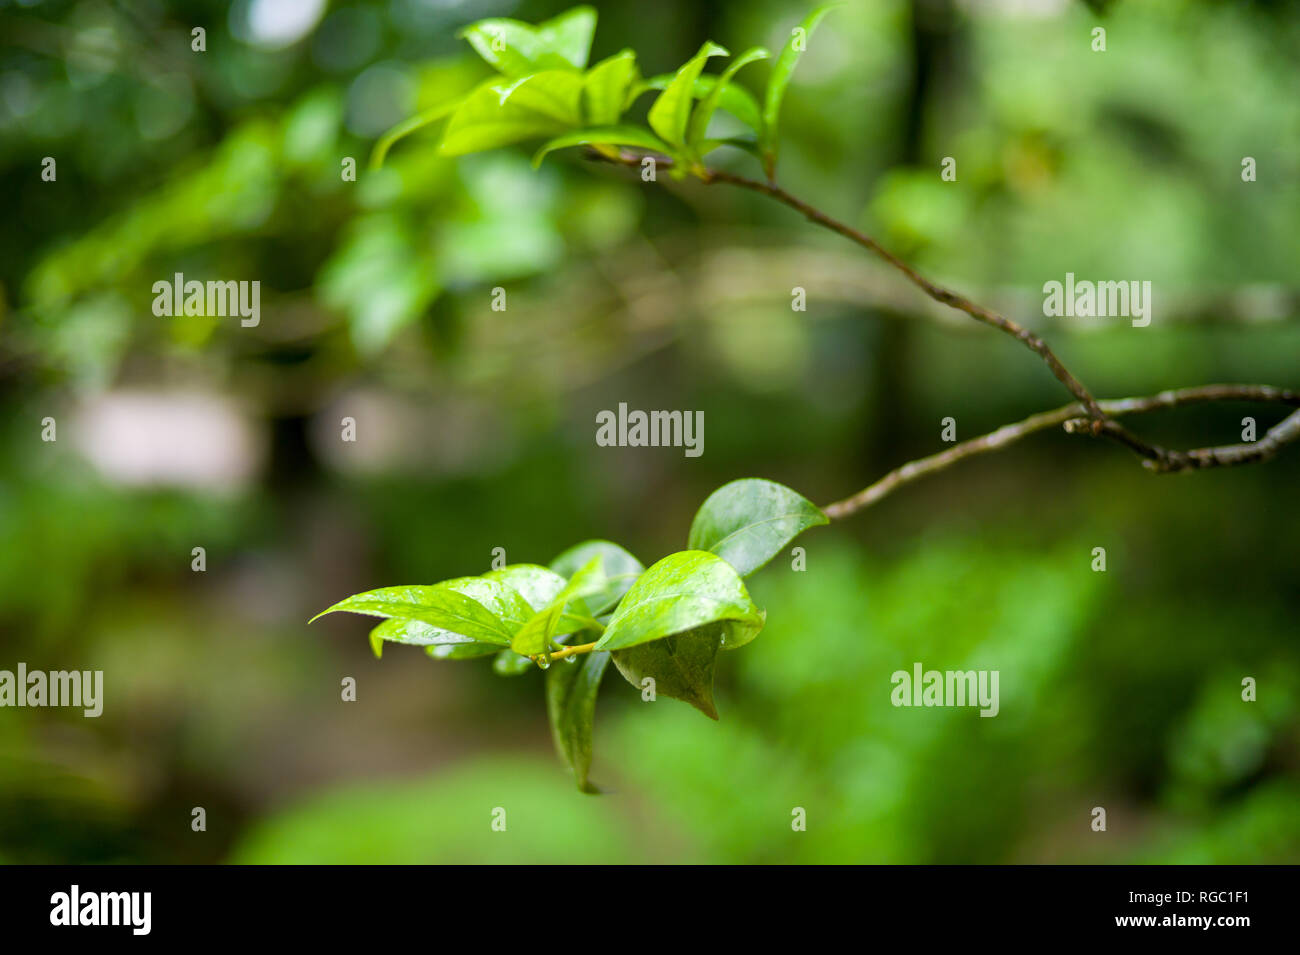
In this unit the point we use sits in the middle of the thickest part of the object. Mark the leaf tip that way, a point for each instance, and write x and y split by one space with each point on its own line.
706 707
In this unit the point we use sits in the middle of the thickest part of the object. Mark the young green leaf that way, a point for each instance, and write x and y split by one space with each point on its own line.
604 136
556 94
497 114
565 613
620 569
605 88
782 70
748 145
407 127
681 666
672 108
571 689
684 591
418 633
748 522
516 48
699 123
538 585
735 99
470 608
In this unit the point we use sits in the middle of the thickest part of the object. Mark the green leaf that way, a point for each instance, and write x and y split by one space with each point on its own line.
620 568
459 611
565 613
497 114
604 136
417 633
682 666
556 94
782 70
672 108
462 651
699 124
433 640
509 663
605 88
684 591
516 48
571 689
748 145
748 522
735 99
405 128
538 585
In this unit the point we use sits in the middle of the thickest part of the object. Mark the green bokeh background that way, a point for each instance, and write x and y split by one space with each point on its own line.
1119 689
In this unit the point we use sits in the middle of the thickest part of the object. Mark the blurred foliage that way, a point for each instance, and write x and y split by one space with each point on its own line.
475 431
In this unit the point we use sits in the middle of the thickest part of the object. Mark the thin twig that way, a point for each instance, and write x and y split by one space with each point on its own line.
1168 461
1087 415
568 651
1070 417
936 292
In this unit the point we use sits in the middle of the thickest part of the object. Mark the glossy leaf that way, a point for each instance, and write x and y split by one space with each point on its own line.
571 706
538 585
604 136
620 568
498 114
782 70
507 607
458 611
462 651
417 633
605 88
672 109
563 614
516 48
699 124
684 591
681 666
748 522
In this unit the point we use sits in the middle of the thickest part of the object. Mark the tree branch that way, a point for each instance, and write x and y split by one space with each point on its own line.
1167 461
936 292
1086 416
1069 416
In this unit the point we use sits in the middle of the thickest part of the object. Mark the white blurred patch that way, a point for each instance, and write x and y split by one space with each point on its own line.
275 23
1015 8
186 439
396 434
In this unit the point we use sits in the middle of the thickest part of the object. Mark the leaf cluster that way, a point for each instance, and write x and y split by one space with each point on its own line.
661 626
544 90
